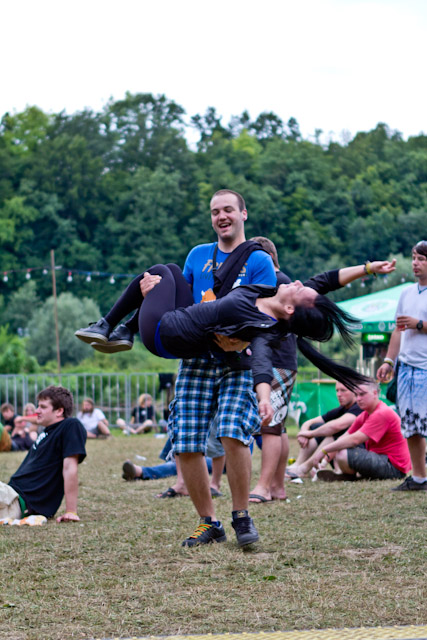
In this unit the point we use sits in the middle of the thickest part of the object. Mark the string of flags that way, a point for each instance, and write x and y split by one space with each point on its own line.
88 275
112 277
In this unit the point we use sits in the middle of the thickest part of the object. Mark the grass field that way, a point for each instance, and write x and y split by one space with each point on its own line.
350 554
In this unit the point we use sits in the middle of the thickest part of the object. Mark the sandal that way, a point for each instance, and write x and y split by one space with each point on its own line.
171 493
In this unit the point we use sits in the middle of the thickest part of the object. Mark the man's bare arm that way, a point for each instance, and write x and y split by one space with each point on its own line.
332 427
385 372
71 489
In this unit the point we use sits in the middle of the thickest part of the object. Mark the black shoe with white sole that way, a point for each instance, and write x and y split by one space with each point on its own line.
121 339
98 332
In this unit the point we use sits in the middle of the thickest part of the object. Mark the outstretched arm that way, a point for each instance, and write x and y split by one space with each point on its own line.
331 280
348 274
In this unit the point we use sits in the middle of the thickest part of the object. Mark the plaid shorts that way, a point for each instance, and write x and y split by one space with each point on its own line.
206 388
281 390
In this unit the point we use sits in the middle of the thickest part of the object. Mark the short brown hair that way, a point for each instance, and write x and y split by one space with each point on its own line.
269 246
60 398
7 405
421 248
240 200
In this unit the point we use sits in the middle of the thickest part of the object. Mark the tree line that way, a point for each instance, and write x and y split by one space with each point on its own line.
117 190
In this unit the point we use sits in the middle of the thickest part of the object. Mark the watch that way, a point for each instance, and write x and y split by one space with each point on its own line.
420 325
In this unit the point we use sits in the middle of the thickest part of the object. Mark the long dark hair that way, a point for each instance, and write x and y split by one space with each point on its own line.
318 323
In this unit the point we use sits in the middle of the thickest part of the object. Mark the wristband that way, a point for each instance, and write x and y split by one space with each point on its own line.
389 361
368 269
325 452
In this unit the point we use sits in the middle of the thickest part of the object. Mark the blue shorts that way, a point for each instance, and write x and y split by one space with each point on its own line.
207 388
412 400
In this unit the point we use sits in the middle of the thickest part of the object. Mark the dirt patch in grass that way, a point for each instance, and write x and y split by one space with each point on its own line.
345 555
374 554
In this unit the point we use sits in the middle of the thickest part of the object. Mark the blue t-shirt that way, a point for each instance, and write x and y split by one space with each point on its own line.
258 269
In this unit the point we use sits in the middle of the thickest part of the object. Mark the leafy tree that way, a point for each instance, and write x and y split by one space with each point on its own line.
13 354
23 303
116 190
147 131
267 126
72 314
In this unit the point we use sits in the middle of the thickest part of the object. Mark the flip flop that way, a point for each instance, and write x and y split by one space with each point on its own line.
256 498
291 475
171 493
215 493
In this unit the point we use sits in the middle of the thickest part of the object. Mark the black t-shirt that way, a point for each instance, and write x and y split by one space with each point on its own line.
39 479
141 414
9 423
336 413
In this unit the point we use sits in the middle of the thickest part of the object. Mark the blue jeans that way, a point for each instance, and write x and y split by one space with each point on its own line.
165 470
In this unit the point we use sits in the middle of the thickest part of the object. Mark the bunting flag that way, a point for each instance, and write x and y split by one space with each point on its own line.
70 273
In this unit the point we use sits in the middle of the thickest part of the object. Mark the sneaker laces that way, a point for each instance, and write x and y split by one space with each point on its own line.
200 530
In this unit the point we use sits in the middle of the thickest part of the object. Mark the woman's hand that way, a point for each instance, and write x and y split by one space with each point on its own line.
382 266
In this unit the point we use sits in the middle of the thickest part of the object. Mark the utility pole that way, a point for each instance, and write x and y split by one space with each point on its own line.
55 309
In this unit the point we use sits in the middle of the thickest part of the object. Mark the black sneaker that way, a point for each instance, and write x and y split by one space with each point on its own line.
95 332
121 339
409 484
246 532
205 533
129 472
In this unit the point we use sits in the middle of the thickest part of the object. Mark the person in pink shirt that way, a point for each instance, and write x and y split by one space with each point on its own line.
373 447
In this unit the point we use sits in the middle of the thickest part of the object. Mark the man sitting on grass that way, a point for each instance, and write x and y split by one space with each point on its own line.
49 470
93 420
372 448
320 431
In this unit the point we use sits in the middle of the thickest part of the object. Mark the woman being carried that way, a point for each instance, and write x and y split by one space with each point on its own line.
172 326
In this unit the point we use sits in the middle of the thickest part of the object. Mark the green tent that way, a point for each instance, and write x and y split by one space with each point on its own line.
376 311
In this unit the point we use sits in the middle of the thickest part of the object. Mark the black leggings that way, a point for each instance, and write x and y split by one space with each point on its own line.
173 291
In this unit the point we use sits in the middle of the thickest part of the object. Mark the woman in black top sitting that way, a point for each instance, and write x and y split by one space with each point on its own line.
142 420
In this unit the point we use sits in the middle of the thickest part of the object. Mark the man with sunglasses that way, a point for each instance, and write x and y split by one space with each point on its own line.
408 345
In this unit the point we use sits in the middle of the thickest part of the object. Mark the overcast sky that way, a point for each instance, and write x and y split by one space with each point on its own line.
335 65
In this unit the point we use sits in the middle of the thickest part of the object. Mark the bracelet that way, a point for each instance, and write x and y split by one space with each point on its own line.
368 269
325 452
389 361
70 513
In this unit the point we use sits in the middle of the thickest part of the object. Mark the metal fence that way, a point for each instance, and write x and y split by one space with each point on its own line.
114 393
